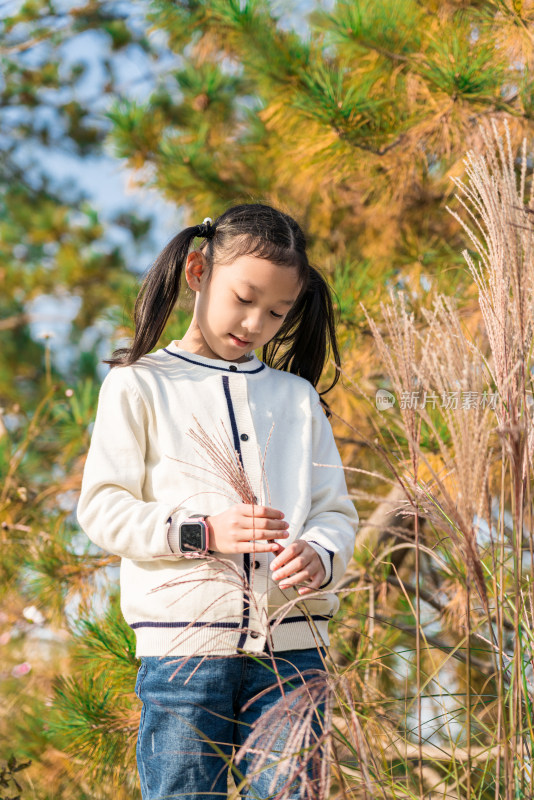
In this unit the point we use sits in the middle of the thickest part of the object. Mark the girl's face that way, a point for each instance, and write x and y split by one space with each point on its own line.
239 307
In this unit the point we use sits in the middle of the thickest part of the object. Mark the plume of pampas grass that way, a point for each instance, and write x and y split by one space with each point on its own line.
224 460
415 365
497 204
459 363
292 740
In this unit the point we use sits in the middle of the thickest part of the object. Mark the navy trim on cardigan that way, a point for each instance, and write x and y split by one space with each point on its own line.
233 423
303 618
212 366
246 556
331 554
184 624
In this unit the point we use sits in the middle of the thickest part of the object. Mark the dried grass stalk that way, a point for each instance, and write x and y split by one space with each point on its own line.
502 234
292 740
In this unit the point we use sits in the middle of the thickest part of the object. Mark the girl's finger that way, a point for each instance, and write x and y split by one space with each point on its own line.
310 586
298 577
255 546
284 557
257 535
266 528
266 525
249 510
307 589
248 522
282 568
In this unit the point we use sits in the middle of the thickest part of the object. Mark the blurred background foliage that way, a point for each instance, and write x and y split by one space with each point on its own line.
352 116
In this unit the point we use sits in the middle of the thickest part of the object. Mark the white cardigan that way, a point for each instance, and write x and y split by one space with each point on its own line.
136 488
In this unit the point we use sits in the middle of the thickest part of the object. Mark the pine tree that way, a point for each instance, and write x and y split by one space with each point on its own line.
354 121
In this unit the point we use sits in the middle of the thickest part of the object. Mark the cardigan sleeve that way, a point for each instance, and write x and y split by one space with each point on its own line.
111 509
333 520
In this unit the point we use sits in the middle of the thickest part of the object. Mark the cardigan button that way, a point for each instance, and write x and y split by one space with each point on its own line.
233 367
244 437
257 565
254 635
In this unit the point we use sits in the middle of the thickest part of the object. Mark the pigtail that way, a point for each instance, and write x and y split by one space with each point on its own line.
156 298
307 336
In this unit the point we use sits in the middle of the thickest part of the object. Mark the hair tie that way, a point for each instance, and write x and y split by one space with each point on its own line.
206 230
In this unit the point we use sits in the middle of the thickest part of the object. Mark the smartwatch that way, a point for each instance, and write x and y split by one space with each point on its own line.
194 536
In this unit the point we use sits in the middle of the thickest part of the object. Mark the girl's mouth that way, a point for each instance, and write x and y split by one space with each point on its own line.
239 342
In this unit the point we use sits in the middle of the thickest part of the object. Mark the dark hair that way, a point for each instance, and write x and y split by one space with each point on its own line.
308 333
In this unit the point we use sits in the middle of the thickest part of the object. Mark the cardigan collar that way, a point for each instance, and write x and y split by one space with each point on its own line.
251 366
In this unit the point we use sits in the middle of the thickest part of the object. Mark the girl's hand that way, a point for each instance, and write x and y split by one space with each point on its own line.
298 563
245 528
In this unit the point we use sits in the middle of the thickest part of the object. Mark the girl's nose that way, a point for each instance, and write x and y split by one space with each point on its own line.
253 323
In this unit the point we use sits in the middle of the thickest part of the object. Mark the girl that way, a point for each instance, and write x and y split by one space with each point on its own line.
226 597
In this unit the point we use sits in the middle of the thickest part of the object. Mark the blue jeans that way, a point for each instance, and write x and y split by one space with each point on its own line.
189 728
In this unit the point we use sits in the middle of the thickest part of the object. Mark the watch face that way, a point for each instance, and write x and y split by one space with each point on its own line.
191 537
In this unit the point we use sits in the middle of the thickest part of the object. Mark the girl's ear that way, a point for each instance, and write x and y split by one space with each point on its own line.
194 270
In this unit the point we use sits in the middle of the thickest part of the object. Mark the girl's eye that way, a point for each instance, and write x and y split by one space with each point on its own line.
242 300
